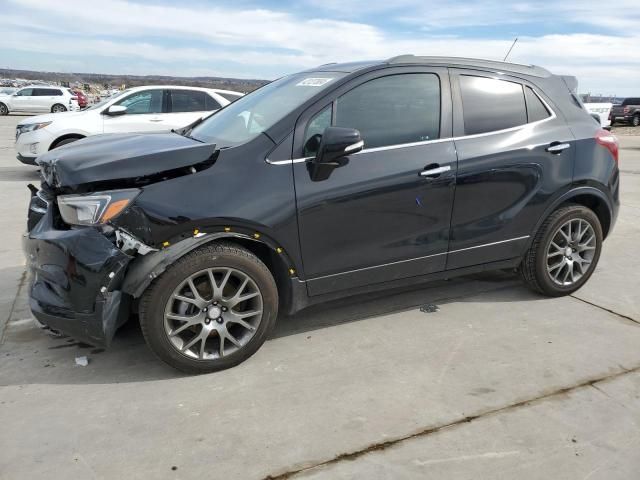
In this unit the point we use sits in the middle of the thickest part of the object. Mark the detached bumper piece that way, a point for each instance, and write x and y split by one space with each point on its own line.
75 280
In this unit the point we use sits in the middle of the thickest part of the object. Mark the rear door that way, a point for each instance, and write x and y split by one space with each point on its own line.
146 112
385 214
187 106
514 152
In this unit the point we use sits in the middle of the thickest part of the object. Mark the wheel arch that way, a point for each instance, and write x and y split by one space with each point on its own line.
145 269
61 138
587 196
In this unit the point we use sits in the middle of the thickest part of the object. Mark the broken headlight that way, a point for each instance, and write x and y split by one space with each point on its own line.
95 208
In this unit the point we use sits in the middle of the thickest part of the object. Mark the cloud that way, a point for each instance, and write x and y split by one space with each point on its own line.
267 43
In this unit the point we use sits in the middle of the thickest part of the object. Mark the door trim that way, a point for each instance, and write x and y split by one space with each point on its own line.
418 258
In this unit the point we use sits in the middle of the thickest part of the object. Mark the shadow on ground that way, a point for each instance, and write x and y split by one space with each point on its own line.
32 356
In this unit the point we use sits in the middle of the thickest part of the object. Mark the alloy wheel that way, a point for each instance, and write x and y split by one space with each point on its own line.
213 313
3 109
570 252
59 109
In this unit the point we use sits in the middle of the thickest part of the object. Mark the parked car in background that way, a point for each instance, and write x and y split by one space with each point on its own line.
331 182
628 112
139 109
8 90
83 100
602 111
38 98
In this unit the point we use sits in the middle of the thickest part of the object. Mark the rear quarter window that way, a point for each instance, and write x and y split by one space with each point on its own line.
490 105
536 110
230 96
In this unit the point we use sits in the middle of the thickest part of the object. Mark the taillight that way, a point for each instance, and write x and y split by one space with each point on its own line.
609 141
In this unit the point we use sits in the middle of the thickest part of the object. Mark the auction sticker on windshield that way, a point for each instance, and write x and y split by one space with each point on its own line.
313 82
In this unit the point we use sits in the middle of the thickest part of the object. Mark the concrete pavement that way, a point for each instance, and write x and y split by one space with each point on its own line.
498 383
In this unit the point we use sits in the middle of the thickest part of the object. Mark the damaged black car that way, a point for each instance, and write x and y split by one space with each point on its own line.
340 180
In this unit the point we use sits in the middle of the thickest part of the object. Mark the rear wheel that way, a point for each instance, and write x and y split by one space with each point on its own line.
564 252
3 109
211 310
58 108
635 121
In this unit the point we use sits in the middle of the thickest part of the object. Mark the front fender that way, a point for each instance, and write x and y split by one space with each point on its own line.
145 269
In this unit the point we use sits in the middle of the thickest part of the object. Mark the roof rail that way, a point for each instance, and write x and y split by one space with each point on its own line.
470 62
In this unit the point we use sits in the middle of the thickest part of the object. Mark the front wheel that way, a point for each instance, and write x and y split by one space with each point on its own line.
635 121
564 252
211 310
3 109
58 108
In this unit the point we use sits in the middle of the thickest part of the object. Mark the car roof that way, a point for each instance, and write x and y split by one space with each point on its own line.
42 86
506 67
185 87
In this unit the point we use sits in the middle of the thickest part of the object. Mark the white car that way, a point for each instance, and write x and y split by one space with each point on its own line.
38 98
602 110
138 109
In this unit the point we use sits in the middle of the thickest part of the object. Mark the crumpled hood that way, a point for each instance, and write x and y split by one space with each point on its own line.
100 158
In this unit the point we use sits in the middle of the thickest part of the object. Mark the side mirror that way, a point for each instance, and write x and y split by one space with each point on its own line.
336 144
115 110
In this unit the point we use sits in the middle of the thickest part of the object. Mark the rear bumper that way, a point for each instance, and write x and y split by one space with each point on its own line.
75 277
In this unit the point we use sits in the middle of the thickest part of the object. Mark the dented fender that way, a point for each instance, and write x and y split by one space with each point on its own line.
144 269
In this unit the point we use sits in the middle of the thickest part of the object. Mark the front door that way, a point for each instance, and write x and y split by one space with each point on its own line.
385 214
145 113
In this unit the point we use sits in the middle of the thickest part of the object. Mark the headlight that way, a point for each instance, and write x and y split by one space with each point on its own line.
30 127
95 208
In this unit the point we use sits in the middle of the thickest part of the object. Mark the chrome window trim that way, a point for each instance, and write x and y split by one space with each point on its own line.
365 150
552 116
418 258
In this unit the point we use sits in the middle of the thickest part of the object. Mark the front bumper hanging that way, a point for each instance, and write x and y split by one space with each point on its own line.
75 279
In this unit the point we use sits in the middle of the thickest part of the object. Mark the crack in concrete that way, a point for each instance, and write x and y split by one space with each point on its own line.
431 430
4 325
606 309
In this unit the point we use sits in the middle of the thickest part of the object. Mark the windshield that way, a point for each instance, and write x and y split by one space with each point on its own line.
108 99
249 116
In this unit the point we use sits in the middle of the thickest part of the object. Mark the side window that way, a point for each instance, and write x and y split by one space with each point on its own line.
489 105
40 92
211 103
535 108
188 101
147 101
25 92
314 132
393 110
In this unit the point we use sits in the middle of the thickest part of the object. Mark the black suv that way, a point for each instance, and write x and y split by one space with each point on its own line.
343 179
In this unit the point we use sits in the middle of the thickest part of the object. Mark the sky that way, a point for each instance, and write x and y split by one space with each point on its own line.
597 41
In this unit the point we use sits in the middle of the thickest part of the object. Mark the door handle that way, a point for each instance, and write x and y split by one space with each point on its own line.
557 147
435 172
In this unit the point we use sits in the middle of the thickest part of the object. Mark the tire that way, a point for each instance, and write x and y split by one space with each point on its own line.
542 269
58 108
66 141
172 315
635 121
3 110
